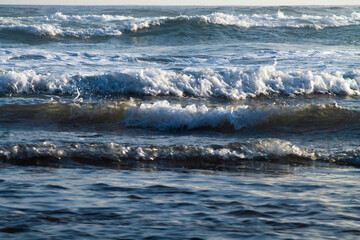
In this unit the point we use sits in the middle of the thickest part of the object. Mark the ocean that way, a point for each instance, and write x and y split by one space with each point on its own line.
134 122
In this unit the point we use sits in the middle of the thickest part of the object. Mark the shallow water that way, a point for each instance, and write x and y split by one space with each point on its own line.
264 202
179 122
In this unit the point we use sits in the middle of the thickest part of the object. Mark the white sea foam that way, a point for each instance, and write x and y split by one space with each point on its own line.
165 116
89 17
232 83
36 29
28 82
242 20
59 17
114 25
56 29
106 61
280 20
53 30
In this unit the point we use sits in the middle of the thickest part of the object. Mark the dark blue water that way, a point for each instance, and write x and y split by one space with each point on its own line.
179 122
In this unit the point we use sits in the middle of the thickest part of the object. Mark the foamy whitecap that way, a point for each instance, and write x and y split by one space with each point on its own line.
231 83
115 25
56 29
165 116
124 23
38 29
29 82
89 17
282 20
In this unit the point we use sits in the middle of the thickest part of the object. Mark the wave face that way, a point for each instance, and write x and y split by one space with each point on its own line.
230 83
166 116
162 115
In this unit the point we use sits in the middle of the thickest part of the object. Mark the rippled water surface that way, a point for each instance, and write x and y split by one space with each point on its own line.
262 202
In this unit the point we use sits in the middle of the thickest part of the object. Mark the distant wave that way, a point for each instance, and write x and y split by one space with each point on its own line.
35 29
51 30
231 155
280 19
115 25
230 83
59 16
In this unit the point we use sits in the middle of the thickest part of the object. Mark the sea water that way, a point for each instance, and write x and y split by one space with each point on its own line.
179 122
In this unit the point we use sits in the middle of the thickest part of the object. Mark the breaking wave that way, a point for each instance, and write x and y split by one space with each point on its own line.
115 25
163 115
231 155
230 83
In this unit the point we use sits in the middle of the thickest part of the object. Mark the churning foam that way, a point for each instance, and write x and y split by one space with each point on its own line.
163 115
231 83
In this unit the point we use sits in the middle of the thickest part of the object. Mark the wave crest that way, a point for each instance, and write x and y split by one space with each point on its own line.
57 24
230 83
163 115
232 155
